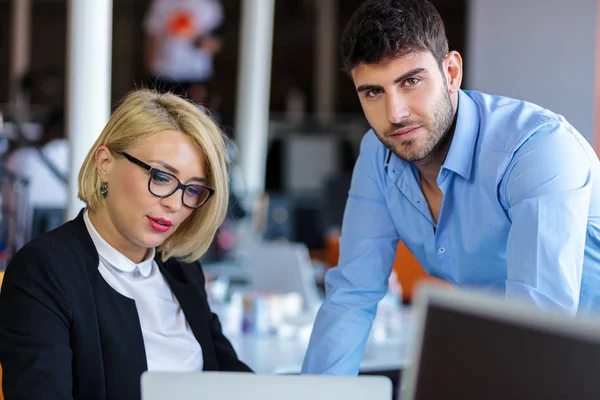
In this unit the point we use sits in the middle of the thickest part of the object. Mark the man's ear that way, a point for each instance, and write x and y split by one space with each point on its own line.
452 68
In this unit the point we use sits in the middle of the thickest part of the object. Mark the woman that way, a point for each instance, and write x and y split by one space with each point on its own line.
88 307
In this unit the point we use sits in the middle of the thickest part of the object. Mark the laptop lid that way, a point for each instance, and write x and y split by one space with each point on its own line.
236 386
475 346
283 267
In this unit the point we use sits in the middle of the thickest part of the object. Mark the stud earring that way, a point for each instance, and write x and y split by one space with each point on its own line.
103 190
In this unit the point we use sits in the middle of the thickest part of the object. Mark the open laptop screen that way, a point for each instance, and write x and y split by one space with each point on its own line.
474 356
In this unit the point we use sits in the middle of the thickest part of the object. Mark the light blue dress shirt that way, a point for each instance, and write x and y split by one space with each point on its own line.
520 215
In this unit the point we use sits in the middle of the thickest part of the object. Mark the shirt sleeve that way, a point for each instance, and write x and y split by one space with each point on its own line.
359 282
547 192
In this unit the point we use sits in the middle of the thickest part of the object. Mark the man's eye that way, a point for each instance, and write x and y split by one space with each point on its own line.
411 82
373 93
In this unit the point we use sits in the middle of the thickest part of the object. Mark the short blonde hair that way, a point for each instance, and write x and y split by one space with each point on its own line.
144 113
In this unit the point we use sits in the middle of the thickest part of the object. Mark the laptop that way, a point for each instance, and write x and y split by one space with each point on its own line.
283 267
475 346
237 385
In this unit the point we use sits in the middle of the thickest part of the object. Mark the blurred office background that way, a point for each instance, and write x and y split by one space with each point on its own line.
278 91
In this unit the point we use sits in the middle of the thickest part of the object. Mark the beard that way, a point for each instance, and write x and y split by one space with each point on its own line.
414 150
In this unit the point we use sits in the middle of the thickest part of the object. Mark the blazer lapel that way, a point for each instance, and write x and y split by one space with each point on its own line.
123 347
123 351
195 308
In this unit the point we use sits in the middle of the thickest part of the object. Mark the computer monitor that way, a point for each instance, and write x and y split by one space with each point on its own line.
474 346
236 386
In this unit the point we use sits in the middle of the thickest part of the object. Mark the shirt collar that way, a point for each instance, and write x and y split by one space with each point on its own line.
113 257
460 155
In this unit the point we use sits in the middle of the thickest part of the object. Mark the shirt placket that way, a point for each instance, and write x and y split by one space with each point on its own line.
441 251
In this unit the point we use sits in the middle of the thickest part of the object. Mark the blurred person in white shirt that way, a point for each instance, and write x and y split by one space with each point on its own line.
44 166
180 45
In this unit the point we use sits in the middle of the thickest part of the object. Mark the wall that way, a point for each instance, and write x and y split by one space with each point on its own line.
543 51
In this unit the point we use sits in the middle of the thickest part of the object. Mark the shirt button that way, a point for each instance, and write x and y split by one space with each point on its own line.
441 250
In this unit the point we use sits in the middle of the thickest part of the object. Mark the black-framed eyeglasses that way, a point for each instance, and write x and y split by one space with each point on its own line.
164 184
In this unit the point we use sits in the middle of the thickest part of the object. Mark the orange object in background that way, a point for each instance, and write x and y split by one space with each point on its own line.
332 248
181 24
408 270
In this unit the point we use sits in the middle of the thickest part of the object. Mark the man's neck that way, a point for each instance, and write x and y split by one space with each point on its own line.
429 168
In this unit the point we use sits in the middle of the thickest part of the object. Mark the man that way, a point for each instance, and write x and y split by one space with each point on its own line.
485 191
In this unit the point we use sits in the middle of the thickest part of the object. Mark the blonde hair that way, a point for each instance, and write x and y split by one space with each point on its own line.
144 113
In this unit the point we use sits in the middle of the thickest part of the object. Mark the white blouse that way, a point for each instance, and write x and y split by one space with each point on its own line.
169 342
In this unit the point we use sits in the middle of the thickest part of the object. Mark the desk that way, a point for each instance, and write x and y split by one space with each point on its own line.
386 348
284 355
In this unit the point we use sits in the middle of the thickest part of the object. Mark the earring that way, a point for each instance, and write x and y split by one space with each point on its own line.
103 190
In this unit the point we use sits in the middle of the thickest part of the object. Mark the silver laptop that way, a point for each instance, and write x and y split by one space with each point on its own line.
244 386
283 267
475 346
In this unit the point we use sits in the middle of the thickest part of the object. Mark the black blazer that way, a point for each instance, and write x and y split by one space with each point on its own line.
65 333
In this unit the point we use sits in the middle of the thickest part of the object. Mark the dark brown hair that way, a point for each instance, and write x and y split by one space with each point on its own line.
380 29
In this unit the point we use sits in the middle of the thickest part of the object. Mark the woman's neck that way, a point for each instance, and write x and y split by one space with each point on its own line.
103 224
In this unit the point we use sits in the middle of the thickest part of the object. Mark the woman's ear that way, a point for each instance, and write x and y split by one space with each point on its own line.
104 162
